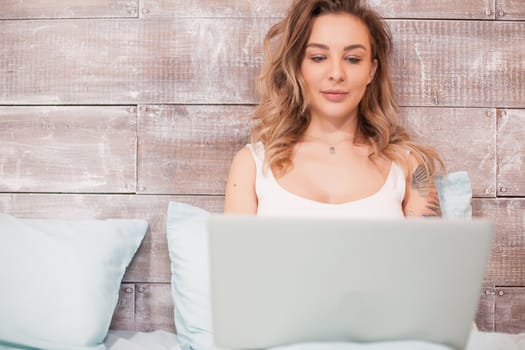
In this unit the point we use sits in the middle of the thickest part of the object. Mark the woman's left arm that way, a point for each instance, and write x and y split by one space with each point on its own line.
421 197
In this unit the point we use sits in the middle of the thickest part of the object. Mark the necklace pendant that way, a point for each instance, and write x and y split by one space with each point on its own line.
331 149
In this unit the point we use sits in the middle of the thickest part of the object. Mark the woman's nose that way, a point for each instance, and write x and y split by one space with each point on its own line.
337 72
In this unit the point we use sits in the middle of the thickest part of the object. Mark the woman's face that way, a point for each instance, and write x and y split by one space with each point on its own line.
337 66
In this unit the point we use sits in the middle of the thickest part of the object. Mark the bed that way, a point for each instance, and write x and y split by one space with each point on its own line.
161 340
71 272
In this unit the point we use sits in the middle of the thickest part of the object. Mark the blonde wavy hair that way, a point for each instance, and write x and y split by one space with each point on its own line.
283 114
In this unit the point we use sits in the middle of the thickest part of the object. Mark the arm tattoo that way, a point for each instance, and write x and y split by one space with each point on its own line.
422 184
419 179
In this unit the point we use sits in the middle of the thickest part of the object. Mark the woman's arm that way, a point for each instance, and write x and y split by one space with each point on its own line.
240 188
421 198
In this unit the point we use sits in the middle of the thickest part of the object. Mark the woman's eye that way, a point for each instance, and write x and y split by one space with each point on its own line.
317 58
353 59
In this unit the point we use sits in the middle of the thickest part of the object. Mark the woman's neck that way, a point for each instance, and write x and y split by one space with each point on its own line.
331 131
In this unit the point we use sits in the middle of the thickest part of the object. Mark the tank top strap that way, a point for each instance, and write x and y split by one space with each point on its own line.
398 180
257 151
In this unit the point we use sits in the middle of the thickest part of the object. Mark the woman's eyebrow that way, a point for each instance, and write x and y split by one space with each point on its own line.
355 46
319 46
347 48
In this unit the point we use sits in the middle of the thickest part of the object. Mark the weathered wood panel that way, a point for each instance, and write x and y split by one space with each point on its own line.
214 8
209 52
507 259
32 9
154 308
151 263
459 63
188 149
510 9
124 315
68 62
485 314
511 152
180 154
215 61
449 9
113 61
67 149
510 310
144 308
473 143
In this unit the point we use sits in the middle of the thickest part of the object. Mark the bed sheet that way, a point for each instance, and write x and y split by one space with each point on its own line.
161 340
128 340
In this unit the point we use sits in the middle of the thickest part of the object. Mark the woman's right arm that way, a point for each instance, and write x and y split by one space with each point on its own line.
240 188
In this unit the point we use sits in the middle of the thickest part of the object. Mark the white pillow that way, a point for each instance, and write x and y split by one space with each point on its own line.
60 279
187 235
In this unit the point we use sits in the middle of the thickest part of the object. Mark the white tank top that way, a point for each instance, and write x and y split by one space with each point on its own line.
274 200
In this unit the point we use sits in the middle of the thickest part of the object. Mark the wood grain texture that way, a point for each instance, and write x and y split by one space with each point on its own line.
474 127
67 149
179 153
510 310
467 9
154 308
144 307
34 9
124 315
507 258
68 61
450 9
113 61
485 314
188 149
511 152
510 10
459 63
216 60
190 66
214 8
151 262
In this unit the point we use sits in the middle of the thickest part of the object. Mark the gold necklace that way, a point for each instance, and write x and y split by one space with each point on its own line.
331 146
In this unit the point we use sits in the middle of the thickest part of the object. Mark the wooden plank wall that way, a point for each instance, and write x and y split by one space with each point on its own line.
112 108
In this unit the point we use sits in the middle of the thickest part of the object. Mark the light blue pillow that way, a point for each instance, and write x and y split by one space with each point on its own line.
60 279
455 195
188 248
187 235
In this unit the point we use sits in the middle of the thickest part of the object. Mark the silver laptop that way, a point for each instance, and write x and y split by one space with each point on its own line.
278 281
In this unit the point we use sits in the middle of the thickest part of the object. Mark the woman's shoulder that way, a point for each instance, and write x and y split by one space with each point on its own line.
401 159
243 156
242 166
249 156
240 187
411 163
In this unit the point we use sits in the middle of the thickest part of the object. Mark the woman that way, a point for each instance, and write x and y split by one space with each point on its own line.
327 142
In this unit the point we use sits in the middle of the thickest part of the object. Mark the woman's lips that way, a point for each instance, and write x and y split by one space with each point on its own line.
334 95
